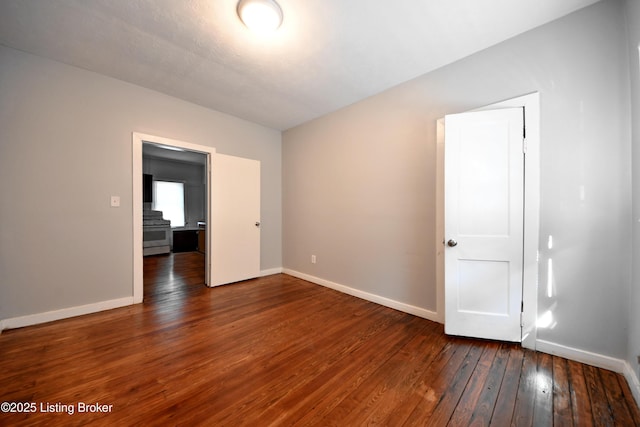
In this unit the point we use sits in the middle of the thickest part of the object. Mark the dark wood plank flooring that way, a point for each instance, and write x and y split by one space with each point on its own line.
282 351
172 274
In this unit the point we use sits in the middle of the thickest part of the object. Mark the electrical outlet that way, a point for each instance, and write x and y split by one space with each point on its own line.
313 259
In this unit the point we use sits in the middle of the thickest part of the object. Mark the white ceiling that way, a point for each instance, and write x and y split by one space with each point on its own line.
326 55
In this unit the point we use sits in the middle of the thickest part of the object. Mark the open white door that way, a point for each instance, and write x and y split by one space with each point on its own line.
235 219
484 198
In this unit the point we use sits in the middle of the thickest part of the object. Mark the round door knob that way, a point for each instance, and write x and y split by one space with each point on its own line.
452 243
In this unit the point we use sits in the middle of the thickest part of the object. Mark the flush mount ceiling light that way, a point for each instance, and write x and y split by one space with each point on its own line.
261 16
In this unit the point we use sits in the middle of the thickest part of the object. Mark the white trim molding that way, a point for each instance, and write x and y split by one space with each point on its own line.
594 359
582 356
387 302
633 381
440 297
270 271
65 313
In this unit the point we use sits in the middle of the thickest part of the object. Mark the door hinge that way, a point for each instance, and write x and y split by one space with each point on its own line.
522 314
524 134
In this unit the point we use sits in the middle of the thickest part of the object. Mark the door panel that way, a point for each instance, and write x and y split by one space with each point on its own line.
484 196
485 166
483 287
235 211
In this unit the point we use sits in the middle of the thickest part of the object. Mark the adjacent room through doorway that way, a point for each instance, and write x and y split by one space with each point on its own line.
174 219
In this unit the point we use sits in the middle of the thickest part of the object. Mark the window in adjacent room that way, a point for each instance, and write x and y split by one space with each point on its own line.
169 198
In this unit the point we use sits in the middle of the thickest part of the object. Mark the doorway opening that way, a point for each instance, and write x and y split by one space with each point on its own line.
189 166
531 107
174 219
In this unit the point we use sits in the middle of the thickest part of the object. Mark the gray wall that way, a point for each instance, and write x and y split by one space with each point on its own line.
65 147
633 21
359 184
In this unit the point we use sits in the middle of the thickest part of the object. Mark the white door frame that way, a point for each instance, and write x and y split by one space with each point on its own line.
531 104
137 140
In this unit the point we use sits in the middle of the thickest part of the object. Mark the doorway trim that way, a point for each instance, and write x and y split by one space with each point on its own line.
138 265
531 104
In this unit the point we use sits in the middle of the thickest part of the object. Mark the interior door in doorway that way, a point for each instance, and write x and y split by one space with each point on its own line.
484 218
235 219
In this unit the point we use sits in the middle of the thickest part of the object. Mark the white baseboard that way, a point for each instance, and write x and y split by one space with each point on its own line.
270 271
400 306
632 379
582 356
50 316
594 359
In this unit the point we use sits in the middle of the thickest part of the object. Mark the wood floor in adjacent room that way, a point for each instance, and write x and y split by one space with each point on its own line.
282 351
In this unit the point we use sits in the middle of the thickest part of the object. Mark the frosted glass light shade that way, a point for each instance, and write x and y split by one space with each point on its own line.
261 16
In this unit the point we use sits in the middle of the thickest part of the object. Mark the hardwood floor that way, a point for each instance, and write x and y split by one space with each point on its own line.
281 351
172 274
